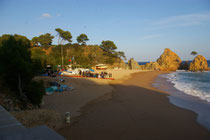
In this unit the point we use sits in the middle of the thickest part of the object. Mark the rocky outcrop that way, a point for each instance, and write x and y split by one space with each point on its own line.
152 66
169 61
199 64
133 65
184 66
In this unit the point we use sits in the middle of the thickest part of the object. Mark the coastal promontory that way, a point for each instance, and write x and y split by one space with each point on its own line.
199 64
132 64
169 60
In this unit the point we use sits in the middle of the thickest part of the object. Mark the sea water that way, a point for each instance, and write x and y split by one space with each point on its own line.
192 83
189 90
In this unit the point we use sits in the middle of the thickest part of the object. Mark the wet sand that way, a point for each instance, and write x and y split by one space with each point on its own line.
135 110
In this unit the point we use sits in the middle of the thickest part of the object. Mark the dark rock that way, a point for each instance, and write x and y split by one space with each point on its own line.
184 66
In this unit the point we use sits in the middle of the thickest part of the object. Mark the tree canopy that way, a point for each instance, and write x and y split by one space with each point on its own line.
17 68
108 46
194 53
82 38
45 39
63 36
17 37
35 41
121 54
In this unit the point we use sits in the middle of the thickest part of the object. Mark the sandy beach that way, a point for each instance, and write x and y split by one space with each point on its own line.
85 91
105 70
124 109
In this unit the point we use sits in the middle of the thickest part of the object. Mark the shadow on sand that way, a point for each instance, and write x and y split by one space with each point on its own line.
134 112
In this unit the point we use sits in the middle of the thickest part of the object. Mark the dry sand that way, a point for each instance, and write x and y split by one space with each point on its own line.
133 110
85 91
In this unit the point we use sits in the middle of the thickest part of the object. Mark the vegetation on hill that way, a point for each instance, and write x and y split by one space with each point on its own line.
66 52
21 59
42 40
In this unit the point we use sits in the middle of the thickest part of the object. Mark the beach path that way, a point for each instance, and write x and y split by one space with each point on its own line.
135 110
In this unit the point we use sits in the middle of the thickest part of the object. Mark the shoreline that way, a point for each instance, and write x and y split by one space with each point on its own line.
185 101
116 98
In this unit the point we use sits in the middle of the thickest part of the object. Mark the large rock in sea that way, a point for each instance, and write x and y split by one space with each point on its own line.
169 60
199 64
133 65
152 66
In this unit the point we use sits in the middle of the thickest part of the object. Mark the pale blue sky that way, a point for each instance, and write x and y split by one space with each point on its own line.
140 28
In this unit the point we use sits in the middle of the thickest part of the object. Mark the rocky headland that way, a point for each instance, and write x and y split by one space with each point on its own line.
170 61
199 64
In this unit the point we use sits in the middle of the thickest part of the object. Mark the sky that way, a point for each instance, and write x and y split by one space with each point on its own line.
140 28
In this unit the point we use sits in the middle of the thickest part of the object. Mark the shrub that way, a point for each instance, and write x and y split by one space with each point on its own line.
35 91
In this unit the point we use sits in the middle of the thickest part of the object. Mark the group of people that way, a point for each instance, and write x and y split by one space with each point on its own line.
84 73
95 75
50 73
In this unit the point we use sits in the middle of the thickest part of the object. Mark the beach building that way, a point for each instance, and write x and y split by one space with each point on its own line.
101 67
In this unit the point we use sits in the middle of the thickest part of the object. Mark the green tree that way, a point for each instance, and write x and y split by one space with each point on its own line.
17 67
16 61
38 53
194 53
63 36
121 54
23 39
54 58
109 51
108 46
17 37
45 39
35 41
3 38
35 91
82 38
39 59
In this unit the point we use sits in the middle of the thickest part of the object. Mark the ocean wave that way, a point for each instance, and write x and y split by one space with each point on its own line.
191 84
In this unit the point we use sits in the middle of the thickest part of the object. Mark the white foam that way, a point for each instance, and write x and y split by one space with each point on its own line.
189 87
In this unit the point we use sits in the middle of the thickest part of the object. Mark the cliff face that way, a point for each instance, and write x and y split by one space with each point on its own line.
199 64
133 65
169 60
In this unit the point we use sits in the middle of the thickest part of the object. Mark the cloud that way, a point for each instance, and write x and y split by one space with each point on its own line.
152 36
46 15
183 20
